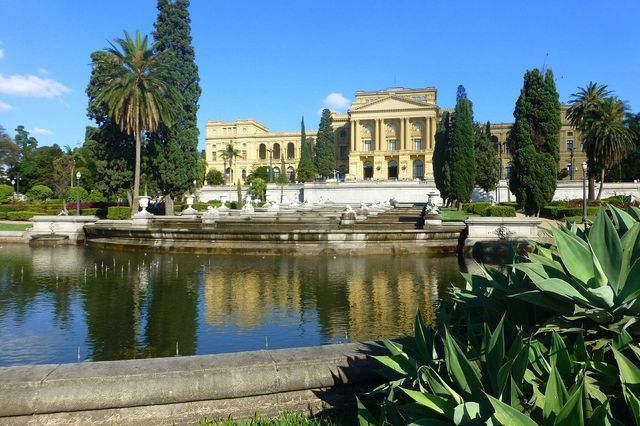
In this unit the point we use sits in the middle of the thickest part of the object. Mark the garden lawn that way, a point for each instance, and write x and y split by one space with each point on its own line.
10 226
452 214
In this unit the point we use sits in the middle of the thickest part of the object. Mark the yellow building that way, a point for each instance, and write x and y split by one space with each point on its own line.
385 135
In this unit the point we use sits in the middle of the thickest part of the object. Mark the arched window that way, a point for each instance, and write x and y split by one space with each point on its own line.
418 169
276 151
291 173
508 170
368 170
262 152
244 175
229 174
392 170
276 173
291 151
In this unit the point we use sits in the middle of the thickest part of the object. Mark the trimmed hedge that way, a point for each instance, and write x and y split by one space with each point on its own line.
99 212
500 211
559 213
477 208
119 213
12 207
23 215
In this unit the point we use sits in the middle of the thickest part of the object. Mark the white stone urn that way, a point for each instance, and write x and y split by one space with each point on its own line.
144 202
190 200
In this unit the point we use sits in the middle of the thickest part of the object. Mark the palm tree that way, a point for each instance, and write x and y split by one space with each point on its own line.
584 104
610 140
135 97
230 153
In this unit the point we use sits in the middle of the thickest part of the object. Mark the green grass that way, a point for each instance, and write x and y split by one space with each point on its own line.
326 418
14 226
450 214
578 219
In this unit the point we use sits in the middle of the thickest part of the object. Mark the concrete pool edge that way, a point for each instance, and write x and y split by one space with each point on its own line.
187 389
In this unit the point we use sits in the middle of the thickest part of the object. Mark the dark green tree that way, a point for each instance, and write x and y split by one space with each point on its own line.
534 141
63 168
460 155
630 166
325 160
261 172
34 165
173 152
486 157
441 174
306 169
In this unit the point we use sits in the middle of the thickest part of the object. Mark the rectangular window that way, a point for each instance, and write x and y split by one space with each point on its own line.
417 144
343 152
213 155
392 144
569 134
244 155
569 144
367 145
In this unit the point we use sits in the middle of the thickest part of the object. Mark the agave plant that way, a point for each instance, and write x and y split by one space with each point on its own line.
588 280
438 382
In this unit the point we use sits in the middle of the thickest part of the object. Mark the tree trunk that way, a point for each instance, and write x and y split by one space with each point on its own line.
592 180
169 206
601 184
136 176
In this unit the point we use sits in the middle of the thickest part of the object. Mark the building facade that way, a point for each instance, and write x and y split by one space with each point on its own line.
385 135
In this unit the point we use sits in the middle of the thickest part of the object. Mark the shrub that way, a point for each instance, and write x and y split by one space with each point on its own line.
23 215
12 207
6 191
119 213
100 212
559 203
500 211
214 177
258 189
73 194
478 208
39 192
177 208
95 196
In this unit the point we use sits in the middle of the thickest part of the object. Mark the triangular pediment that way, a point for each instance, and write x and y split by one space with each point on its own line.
390 103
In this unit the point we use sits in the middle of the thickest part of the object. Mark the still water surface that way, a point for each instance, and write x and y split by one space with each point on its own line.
61 304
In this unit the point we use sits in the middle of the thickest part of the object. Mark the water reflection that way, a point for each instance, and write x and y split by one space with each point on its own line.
56 303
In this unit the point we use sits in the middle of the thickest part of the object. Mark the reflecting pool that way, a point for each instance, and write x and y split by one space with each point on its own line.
67 303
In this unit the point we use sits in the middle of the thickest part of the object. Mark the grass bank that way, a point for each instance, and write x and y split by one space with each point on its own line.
8 226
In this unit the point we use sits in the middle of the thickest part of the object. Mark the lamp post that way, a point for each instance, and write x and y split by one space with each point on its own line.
270 151
13 186
571 170
18 179
584 193
78 175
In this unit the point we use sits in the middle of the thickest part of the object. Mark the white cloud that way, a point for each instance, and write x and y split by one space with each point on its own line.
336 102
31 85
41 132
5 106
44 71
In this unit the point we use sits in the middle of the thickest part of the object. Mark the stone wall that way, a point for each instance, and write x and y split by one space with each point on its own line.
187 389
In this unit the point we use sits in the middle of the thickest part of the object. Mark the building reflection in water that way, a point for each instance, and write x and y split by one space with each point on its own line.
358 298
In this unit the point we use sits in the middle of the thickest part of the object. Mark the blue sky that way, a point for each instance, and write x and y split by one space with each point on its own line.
277 60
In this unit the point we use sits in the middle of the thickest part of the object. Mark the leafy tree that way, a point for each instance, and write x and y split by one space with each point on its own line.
306 169
215 177
9 152
62 174
534 141
460 155
261 172
325 161
600 119
441 174
5 191
486 158
258 189
173 151
135 96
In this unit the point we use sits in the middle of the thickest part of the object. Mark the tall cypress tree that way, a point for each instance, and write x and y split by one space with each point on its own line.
460 155
486 158
534 142
174 152
441 174
306 170
325 160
